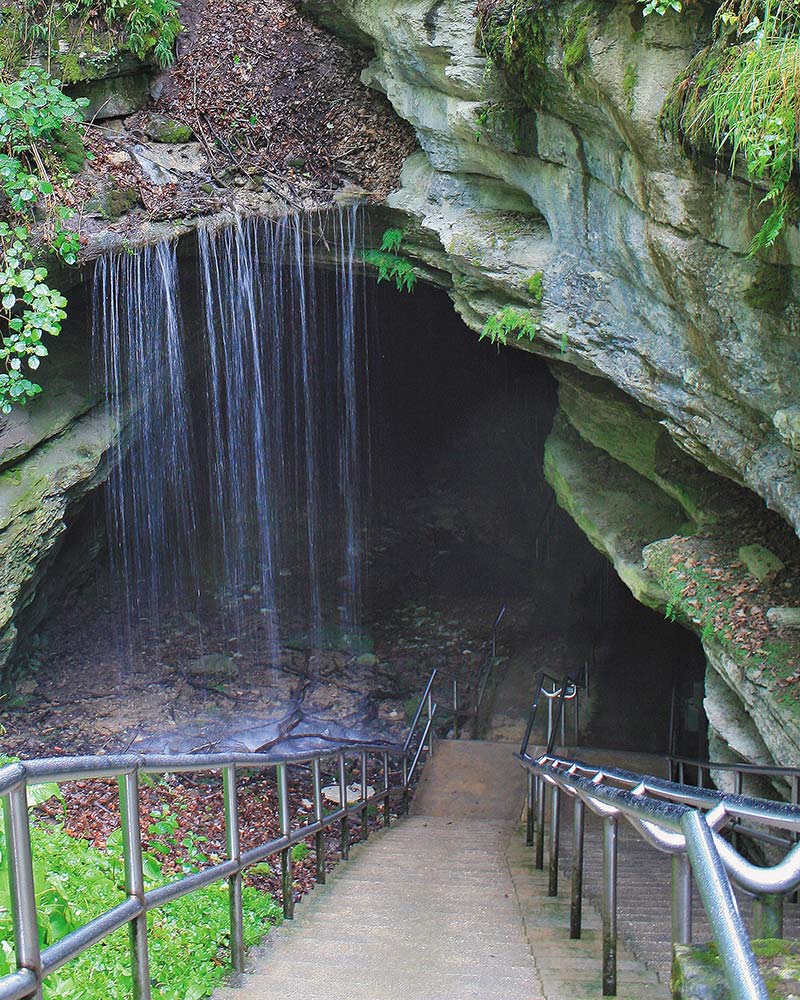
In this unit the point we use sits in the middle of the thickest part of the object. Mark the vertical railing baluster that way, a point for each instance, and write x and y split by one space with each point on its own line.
430 719
610 906
319 840
555 825
21 884
387 802
681 899
768 915
405 799
286 854
345 824
795 896
577 716
234 849
455 708
530 806
540 812
364 808
576 901
134 880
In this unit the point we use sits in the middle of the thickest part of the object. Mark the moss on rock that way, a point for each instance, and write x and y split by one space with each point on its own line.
698 972
162 128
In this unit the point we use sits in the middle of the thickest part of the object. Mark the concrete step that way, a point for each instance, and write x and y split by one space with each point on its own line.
445 905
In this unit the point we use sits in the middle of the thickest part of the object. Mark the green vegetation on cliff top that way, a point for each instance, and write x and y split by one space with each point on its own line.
41 148
739 98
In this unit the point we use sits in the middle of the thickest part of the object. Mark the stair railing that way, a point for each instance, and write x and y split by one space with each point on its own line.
685 822
557 692
35 963
488 661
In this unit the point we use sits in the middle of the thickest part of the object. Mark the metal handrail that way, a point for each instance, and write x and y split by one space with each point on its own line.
791 775
684 822
34 964
487 664
562 689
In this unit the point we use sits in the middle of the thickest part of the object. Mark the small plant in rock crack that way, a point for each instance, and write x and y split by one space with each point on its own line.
509 322
390 264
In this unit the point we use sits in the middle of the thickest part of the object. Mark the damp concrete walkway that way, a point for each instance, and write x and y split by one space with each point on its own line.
446 905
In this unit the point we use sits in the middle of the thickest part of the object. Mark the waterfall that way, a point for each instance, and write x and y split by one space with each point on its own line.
238 374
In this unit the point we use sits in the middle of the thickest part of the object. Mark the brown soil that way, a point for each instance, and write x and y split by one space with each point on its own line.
268 91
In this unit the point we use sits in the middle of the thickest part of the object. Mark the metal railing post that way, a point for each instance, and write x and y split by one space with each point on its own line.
610 906
576 901
681 899
795 800
540 808
530 805
234 849
286 854
735 950
387 802
405 797
364 817
319 814
455 708
555 825
577 717
345 824
134 881
21 884
768 915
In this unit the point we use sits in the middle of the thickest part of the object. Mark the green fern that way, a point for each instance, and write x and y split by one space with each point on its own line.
390 265
392 238
508 322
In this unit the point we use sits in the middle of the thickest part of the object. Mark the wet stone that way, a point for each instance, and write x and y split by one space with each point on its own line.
216 665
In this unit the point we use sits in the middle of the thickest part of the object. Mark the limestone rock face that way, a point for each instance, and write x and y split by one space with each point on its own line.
647 287
53 452
646 276
672 530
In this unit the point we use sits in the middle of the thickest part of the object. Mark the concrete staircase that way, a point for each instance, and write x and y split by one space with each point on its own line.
446 905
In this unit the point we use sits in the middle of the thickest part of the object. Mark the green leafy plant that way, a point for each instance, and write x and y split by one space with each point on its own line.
29 309
390 264
509 322
68 29
300 852
661 6
34 111
535 286
75 882
740 98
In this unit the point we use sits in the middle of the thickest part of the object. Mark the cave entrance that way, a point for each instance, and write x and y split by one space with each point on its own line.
411 505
